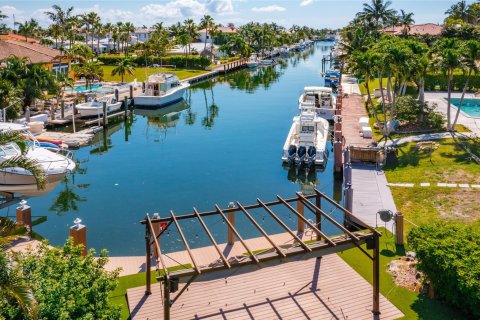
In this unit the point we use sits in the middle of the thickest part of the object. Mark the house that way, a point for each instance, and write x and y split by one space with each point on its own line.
47 57
203 33
142 34
430 29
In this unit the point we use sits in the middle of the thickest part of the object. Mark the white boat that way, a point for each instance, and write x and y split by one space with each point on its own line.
321 98
306 142
252 61
267 62
95 108
17 180
162 89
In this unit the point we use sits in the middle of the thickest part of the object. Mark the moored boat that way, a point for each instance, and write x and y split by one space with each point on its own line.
162 89
321 99
95 108
252 61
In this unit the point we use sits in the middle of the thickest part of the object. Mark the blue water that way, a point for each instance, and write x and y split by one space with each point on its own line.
93 87
223 144
470 106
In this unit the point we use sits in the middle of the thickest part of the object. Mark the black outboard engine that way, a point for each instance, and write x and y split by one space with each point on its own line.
312 152
292 151
302 152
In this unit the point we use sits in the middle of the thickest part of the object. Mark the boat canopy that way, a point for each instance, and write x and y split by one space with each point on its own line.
318 90
8 126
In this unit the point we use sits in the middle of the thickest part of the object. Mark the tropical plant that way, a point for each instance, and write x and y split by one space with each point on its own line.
60 19
406 19
458 10
27 29
123 67
91 71
207 23
128 28
89 20
377 12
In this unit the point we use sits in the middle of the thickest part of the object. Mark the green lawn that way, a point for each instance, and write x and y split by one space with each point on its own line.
412 304
372 85
142 73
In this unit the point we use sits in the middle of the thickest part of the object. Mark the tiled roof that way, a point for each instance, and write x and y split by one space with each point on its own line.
419 29
33 52
17 37
220 29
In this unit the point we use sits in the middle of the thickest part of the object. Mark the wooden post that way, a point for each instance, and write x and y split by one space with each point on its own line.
156 230
166 295
79 234
116 94
131 92
105 119
300 222
376 276
349 198
125 107
148 257
62 105
337 150
318 216
346 155
24 216
231 219
399 239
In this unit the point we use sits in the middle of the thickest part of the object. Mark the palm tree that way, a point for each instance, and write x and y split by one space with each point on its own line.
108 28
207 22
191 32
406 19
60 18
421 63
28 28
377 12
459 11
123 67
90 71
128 28
448 54
470 57
90 20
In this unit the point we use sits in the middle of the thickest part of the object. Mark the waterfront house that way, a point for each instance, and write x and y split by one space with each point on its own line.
202 34
430 29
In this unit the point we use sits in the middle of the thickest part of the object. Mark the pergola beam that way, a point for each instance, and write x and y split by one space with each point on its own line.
212 239
157 245
185 242
284 226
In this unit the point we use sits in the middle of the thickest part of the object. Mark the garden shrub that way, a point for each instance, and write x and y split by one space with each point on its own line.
449 255
440 81
412 111
195 61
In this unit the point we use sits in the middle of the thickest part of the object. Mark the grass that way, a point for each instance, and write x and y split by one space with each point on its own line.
372 85
141 73
412 304
119 295
449 163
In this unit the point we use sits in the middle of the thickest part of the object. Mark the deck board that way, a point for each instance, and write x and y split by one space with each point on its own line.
309 289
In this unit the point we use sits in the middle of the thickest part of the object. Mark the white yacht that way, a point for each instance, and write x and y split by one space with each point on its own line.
21 181
162 89
95 108
321 98
307 139
252 61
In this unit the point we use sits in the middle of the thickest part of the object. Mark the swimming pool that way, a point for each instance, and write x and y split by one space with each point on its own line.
94 87
471 107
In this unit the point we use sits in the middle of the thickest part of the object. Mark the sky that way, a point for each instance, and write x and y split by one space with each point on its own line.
312 13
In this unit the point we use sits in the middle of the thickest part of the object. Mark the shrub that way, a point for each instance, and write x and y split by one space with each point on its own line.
449 255
439 81
412 111
195 61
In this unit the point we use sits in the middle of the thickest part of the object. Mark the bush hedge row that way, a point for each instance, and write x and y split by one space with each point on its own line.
439 81
199 62
449 255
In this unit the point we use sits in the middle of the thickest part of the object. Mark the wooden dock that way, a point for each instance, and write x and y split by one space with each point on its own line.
353 110
325 288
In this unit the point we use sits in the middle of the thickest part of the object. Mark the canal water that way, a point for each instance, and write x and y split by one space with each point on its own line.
222 144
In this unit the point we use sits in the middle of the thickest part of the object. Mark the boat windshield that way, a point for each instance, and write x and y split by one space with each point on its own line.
9 150
308 128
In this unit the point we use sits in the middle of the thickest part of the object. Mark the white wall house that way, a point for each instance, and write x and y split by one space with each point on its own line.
142 34
203 33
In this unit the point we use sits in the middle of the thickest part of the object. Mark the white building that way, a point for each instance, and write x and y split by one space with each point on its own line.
203 33
142 34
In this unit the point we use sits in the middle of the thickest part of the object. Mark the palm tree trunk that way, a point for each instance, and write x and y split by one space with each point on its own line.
461 98
380 79
370 102
450 72
421 90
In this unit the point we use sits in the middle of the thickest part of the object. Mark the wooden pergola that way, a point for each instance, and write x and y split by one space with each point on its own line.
322 245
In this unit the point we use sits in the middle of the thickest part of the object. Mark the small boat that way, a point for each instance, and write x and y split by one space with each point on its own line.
331 78
306 143
267 62
252 61
18 180
95 107
161 89
321 99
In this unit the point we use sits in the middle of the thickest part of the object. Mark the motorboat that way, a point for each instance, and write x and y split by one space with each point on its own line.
332 78
162 89
306 143
267 62
321 99
252 61
56 165
95 107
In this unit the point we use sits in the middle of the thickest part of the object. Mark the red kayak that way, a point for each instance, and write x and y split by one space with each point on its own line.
58 143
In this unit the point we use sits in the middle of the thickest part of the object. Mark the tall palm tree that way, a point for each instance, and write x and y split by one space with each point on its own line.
206 23
448 52
459 10
123 67
470 57
108 28
27 29
90 71
128 29
406 19
191 32
377 12
90 20
60 18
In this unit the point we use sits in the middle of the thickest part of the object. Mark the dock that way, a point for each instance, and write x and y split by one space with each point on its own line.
73 140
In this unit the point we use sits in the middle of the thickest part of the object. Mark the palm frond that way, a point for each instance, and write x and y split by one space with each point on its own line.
31 166
15 137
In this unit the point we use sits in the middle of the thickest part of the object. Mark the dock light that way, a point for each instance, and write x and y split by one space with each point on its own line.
156 215
231 205
23 203
77 222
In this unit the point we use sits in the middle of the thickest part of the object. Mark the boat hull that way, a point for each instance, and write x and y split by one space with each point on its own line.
158 101
91 111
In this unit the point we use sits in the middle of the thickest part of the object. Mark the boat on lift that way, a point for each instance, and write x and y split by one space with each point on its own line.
162 89
95 107
306 143
321 98
55 165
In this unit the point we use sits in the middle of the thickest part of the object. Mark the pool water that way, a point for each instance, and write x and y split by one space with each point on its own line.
471 107
93 87
223 143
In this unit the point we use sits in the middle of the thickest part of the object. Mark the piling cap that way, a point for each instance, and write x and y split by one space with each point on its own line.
77 224
23 205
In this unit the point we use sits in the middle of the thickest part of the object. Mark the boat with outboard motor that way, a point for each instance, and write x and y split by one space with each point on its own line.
307 139
162 89
321 98
95 107
252 61
17 180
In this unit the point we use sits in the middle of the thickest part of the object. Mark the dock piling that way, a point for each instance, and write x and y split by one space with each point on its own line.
131 92
125 107
116 94
24 216
300 222
78 232
105 118
231 219
62 109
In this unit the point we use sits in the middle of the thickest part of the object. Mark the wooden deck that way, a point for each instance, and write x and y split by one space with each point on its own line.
325 288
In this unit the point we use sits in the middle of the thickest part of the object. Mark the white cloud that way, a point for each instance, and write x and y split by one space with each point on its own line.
306 3
272 8
220 6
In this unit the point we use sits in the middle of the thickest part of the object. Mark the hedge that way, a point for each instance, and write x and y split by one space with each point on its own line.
449 255
198 62
433 81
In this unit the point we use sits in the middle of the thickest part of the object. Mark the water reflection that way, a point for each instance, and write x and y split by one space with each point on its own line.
251 80
305 177
103 141
165 117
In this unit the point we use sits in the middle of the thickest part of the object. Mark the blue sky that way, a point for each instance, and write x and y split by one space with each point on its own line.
313 13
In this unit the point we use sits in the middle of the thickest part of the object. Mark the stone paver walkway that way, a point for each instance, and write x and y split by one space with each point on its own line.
438 184
428 136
